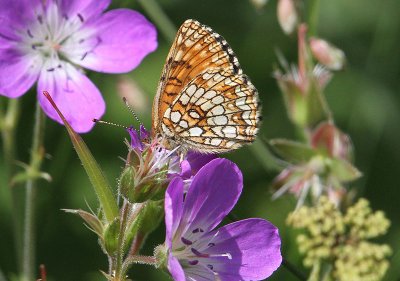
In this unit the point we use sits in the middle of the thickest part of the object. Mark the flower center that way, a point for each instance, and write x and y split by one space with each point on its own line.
49 29
196 250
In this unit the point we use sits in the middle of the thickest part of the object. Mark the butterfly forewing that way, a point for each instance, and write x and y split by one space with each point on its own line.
203 101
195 49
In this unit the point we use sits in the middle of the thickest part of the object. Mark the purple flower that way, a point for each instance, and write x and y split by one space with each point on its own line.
243 250
44 41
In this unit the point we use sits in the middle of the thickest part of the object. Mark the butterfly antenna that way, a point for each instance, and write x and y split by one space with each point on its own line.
131 110
109 123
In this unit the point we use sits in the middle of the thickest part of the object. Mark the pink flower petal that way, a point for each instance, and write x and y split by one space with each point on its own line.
175 268
253 246
212 195
17 72
85 8
173 206
76 96
115 42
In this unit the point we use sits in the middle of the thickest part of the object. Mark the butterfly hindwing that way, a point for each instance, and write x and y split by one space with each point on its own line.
217 111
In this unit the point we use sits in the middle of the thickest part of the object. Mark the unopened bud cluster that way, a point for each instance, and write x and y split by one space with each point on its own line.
330 235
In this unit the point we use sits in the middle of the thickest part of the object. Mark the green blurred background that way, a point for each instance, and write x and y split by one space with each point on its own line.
364 99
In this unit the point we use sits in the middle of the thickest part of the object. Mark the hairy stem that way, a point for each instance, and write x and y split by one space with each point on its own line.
37 154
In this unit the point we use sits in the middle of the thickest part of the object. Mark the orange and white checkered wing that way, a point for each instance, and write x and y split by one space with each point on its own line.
196 48
217 111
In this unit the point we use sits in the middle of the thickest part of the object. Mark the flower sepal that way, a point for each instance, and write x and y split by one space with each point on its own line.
343 170
292 151
92 221
145 220
111 237
161 255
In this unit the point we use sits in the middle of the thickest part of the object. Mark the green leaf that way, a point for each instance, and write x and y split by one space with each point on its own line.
344 170
292 151
97 178
94 223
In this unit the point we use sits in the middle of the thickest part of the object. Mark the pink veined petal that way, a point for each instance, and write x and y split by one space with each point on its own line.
213 193
116 42
175 268
75 95
17 72
254 248
173 206
85 8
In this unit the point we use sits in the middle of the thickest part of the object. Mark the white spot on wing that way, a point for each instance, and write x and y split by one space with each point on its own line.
216 142
184 124
217 110
195 132
167 113
190 91
194 114
218 99
176 116
218 120
210 94
184 99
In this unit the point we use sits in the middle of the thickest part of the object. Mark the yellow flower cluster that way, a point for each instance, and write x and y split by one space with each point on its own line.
341 239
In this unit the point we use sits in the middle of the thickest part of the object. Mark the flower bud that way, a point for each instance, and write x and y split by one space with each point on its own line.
287 15
136 189
327 54
328 137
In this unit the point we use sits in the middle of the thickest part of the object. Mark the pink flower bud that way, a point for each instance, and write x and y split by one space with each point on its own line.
327 54
336 143
287 15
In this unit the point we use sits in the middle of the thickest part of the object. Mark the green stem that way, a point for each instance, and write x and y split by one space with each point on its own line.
158 16
37 154
313 14
10 120
261 151
292 269
8 124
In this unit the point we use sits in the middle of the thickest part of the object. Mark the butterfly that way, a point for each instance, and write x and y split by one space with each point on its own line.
204 102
